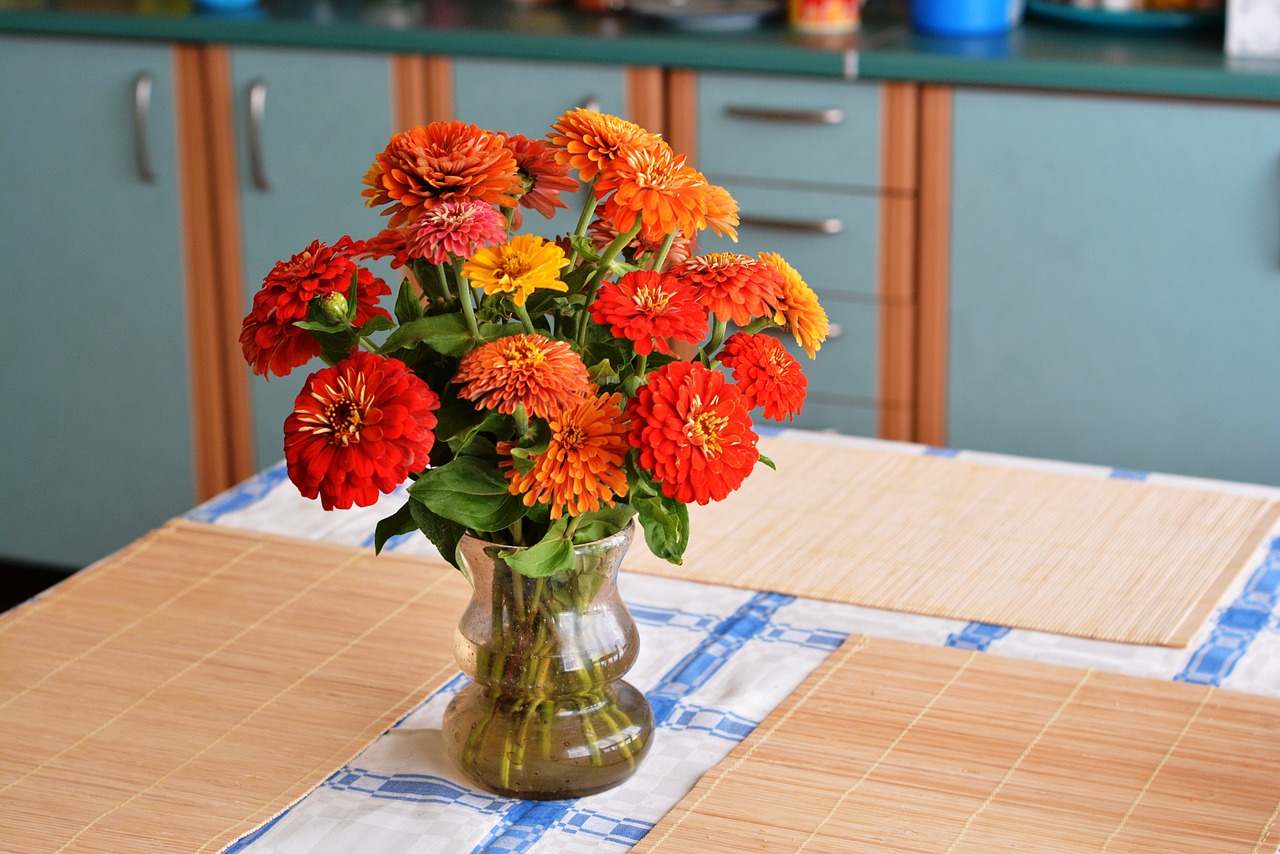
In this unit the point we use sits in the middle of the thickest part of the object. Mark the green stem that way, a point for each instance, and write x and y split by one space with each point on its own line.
584 218
602 270
718 329
464 296
525 321
642 367
661 257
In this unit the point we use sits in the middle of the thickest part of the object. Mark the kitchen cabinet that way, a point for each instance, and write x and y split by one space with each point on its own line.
814 187
97 424
308 124
1114 285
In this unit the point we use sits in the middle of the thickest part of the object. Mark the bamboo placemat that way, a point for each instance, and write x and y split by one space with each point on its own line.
1104 558
192 686
891 746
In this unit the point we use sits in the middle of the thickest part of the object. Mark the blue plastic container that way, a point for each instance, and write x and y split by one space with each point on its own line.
965 17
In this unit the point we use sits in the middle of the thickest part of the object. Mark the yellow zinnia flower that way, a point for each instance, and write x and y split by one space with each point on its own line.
798 306
519 267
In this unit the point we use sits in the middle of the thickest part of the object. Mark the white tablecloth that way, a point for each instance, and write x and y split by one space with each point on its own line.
714 662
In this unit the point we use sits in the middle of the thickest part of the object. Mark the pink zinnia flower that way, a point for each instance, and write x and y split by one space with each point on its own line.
454 229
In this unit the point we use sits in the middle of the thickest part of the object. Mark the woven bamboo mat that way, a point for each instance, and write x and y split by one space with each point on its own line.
891 746
1103 558
192 686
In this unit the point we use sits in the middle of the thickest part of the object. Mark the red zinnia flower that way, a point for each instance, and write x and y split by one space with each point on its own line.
359 428
390 243
766 373
542 375
544 178
648 308
455 230
268 338
443 161
693 431
733 287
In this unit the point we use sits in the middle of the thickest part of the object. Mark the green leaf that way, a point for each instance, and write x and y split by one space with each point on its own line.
550 555
443 533
408 304
770 463
471 492
666 526
444 333
352 294
320 326
399 522
605 522
377 323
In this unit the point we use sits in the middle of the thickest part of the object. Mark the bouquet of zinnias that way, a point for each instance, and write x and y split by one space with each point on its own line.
537 393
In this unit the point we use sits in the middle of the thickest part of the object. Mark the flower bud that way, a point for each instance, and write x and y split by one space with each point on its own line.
334 305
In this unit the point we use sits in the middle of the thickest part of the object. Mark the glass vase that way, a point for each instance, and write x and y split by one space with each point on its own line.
547 715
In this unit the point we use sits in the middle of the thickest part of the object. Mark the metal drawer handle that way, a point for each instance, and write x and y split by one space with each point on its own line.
141 123
830 225
834 331
592 103
257 115
821 116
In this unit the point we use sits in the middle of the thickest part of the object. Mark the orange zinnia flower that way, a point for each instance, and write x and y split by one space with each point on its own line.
268 338
359 428
693 432
544 178
648 308
722 212
589 141
442 161
654 184
582 465
733 287
542 375
766 373
798 306
519 267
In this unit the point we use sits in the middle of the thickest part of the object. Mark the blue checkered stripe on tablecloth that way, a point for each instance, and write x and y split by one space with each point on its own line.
712 666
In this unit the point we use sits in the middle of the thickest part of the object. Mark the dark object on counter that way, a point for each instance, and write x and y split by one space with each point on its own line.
1167 18
600 5
707 14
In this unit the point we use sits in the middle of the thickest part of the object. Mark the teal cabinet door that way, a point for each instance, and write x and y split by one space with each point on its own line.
323 117
95 430
526 98
1115 282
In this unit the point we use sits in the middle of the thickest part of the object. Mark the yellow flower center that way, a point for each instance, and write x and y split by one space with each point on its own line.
523 356
703 428
572 437
515 266
345 411
652 300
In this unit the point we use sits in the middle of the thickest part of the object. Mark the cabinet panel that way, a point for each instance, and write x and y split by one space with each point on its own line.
1116 282
526 98
326 116
790 129
97 442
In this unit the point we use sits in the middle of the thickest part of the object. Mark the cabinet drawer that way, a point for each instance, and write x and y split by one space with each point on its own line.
823 414
830 238
845 367
789 129
527 97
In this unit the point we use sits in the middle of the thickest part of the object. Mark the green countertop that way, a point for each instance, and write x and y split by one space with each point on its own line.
1039 53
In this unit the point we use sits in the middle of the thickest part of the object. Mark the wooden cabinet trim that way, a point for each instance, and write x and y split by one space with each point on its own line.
644 97
211 243
933 251
681 124
896 355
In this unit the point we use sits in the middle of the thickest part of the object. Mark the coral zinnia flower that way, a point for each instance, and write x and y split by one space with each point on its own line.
603 234
589 141
359 428
732 286
582 465
693 431
455 230
269 340
798 307
389 243
538 373
522 265
440 162
544 178
766 373
653 183
648 308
